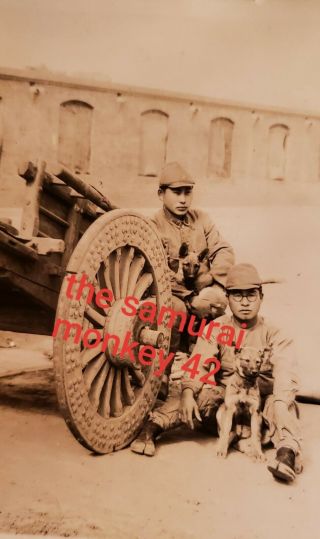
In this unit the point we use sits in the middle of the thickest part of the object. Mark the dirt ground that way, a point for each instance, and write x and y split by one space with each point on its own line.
51 485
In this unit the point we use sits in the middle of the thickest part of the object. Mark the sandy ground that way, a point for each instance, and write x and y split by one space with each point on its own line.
51 485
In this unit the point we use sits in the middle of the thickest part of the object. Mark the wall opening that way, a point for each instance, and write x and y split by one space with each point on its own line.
75 124
220 147
277 147
153 142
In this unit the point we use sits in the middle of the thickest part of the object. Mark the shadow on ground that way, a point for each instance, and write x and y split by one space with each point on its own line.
33 391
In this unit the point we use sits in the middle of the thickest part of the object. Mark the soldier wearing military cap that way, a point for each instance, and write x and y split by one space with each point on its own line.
177 224
277 377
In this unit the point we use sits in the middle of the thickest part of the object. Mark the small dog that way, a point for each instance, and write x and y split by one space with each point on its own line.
242 399
190 266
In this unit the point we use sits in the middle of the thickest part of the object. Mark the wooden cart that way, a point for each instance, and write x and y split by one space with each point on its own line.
103 396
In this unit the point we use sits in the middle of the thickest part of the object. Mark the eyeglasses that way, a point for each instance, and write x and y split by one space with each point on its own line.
238 296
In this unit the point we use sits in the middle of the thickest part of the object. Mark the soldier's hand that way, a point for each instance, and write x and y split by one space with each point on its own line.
189 408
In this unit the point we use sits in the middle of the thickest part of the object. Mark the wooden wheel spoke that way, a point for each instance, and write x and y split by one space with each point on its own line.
142 285
115 272
101 279
127 391
92 369
88 354
102 303
85 325
94 316
97 385
138 376
135 270
104 409
104 276
116 402
126 260
94 303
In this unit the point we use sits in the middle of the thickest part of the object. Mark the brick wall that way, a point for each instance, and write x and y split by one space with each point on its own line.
240 155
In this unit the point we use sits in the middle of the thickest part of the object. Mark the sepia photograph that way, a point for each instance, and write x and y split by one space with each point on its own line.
159 269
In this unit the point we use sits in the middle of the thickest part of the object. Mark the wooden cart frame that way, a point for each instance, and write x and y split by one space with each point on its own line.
71 229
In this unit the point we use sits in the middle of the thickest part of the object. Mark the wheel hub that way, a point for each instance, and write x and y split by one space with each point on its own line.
126 330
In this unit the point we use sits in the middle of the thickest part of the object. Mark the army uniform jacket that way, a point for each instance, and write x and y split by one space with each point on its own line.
199 232
278 371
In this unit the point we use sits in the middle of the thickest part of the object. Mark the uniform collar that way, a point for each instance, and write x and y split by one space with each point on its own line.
185 221
237 324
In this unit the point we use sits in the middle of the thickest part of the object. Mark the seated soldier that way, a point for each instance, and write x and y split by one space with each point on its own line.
277 378
178 224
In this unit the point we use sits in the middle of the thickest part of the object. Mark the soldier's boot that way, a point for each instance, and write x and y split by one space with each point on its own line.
283 467
144 444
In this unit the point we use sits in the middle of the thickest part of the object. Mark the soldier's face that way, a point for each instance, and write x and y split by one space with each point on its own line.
245 304
177 199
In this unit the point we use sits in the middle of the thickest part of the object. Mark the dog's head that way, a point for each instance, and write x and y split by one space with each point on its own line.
248 361
191 261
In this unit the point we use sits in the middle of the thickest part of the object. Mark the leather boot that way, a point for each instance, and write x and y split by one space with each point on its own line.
283 466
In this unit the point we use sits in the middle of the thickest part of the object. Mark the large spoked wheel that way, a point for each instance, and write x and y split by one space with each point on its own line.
104 392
